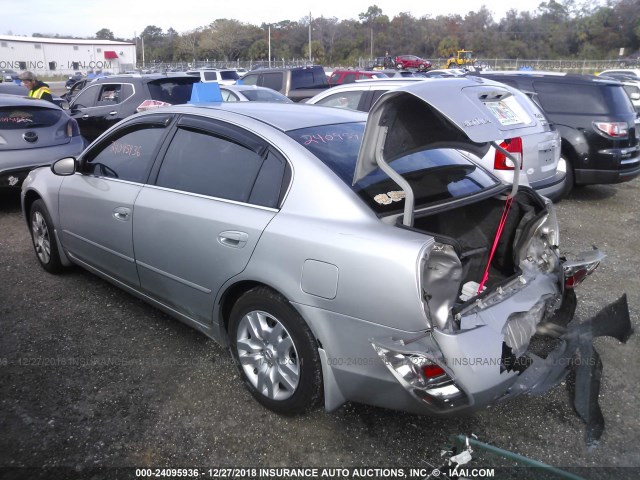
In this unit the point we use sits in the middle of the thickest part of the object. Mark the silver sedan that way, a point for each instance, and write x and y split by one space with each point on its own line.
340 257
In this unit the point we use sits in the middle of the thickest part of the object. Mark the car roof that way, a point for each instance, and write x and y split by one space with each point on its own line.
283 116
147 77
547 76
9 100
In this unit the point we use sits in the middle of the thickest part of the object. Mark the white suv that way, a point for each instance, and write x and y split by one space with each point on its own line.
223 77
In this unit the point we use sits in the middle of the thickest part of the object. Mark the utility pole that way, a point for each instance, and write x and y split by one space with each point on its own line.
309 37
269 45
142 38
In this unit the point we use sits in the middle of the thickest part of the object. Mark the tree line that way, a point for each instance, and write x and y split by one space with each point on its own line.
587 29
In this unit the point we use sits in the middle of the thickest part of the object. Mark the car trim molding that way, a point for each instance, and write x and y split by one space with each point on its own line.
174 277
102 247
199 195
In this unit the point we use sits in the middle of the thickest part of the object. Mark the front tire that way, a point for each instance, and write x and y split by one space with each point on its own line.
44 239
275 352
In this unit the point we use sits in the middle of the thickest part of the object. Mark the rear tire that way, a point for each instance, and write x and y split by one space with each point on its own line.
43 237
275 352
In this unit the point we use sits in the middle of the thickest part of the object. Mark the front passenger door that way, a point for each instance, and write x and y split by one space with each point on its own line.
97 203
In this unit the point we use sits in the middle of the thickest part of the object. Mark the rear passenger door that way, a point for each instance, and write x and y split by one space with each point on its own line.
217 188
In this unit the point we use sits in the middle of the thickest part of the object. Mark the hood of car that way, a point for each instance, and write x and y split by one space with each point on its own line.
461 113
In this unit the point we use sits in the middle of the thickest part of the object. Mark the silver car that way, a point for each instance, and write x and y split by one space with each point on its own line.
539 153
33 133
340 257
251 93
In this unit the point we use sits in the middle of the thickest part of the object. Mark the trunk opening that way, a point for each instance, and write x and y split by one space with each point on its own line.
464 237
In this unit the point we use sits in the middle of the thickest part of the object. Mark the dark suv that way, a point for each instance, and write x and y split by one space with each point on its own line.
297 83
595 119
106 101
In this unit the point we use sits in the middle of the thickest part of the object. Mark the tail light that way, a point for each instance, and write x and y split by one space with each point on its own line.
151 104
514 147
72 128
612 129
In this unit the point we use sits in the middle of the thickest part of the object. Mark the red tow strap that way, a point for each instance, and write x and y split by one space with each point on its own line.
503 220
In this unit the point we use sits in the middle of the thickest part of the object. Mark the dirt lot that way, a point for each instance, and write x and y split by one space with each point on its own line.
91 377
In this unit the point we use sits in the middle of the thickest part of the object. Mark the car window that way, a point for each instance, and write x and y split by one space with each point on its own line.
229 75
349 78
435 175
263 95
86 98
272 80
343 99
110 94
250 79
308 78
176 91
228 96
582 99
19 118
207 164
210 76
126 155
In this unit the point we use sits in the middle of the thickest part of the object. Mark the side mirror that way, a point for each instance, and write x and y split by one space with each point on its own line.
64 167
635 96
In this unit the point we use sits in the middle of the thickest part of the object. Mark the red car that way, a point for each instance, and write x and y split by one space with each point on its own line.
338 77
411 61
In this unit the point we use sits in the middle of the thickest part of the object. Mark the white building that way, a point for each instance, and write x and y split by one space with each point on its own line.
50 56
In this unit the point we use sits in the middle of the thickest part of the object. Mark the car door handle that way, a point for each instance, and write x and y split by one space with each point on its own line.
234 239
113 113
121 213
85 116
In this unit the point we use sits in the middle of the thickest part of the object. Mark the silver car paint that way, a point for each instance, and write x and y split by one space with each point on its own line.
377 290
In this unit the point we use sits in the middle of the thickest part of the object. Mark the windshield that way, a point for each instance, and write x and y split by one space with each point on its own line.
435 175
175 91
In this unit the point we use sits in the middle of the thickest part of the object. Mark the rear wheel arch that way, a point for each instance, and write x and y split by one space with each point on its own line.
274 349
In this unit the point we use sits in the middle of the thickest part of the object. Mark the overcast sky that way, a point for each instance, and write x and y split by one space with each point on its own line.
83 18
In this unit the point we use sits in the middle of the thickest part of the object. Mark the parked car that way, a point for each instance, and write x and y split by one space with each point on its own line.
411 61
33 133
251 93
339 76
595 118
223 76
339 282
8 75
73 79
21 90
539 153
297 83
106 101
622 73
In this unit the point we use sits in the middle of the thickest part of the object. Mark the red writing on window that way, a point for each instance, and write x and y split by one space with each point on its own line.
330 137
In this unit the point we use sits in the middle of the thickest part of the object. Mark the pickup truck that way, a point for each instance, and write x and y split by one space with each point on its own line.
297 83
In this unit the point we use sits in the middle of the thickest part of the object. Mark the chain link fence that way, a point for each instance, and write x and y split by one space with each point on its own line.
564 65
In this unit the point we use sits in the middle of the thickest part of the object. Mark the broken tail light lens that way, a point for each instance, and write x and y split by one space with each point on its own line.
423 378
612 129
150 105
514 147
575 275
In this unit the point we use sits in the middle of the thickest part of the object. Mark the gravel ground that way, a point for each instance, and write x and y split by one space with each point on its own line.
92 377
